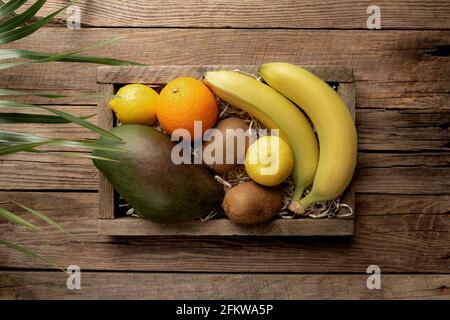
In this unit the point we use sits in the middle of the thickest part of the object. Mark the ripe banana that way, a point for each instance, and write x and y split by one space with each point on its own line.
275 112
334 126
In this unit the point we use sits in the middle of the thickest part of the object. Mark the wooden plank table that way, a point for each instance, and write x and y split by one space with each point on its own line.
402 75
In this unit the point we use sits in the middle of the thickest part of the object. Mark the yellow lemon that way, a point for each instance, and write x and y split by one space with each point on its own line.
135 103
269 161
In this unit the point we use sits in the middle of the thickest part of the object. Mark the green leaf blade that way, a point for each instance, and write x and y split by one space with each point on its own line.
62 114
19 33
22 18
10 149
29 253
9 7
8 215
42 216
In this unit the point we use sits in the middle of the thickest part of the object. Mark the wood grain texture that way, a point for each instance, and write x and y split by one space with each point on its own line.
105 121
386 56
129 226
347 14
110 285
398 241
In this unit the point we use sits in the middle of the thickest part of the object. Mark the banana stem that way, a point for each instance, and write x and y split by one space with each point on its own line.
295 206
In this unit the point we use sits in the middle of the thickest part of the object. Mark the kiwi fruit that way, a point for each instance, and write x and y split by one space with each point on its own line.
251 203
223 125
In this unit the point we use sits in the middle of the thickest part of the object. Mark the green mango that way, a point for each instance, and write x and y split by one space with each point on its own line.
145 176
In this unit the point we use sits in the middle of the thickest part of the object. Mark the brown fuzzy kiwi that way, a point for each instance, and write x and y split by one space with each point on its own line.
223 125
251 203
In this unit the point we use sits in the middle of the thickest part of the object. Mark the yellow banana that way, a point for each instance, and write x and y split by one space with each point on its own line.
334 126
275 112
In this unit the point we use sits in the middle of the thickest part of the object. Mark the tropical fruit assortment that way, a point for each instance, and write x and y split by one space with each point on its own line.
308 137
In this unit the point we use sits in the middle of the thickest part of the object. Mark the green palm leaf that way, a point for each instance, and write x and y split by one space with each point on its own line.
17 137
9 149
36 55
8 215
62 114
9 7
42 217
11 142
62 56
22 18
28 252
86 156
19 33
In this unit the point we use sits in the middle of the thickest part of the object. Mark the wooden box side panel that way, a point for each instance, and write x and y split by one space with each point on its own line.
106 121
130 226
347 92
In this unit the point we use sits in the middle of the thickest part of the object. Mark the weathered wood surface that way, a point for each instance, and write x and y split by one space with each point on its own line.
376 56
52 285
402 183
398 241
347 14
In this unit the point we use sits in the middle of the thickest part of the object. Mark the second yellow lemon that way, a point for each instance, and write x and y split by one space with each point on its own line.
269 161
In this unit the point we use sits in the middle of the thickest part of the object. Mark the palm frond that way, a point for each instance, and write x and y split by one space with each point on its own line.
62 114
37 55
65 55
20 19
42 217
29 253
11 142
8 8
19 33
8 215
86 156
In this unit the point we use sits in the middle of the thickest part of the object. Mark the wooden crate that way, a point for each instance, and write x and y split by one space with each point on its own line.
110 223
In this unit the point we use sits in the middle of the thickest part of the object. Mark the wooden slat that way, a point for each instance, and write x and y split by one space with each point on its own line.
408 160
395 241
406 130
387 56
386 204
164 74
106 121
347 14
128 226
109 285
24 171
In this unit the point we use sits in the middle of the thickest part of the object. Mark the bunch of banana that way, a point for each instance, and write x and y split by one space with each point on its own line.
275 112
334 126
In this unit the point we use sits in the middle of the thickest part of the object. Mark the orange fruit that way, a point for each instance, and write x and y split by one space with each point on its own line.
183 101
